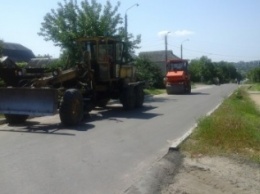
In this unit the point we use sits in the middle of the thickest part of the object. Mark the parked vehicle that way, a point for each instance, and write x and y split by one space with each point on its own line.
103 73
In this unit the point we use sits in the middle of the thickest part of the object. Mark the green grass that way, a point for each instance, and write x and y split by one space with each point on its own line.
233 129
254 87
154 91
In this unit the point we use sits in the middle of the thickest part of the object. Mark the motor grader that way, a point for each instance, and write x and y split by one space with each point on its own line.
103 72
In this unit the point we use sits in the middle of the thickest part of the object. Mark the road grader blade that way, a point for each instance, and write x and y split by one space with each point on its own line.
28 101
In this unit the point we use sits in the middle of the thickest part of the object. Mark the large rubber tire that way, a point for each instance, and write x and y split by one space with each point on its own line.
139 98
15 119
188 89
168 91
128 98
71 108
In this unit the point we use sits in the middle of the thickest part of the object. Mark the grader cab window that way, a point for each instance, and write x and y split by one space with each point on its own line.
105 52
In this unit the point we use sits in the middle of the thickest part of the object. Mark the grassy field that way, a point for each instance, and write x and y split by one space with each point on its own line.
254 87
233 129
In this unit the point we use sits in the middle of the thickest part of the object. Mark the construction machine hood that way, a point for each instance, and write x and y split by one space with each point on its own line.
173 76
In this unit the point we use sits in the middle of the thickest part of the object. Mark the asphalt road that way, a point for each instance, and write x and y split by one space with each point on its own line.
110 151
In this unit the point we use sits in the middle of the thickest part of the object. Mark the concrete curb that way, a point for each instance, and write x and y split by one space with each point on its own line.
176 143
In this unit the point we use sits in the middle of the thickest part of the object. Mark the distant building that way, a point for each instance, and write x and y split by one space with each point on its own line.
17 52
158 57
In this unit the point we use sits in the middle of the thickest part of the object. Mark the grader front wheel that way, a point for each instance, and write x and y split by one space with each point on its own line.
71 108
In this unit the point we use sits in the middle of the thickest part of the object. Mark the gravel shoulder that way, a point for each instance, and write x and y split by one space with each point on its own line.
216 175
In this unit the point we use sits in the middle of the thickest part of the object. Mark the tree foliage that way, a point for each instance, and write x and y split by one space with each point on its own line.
71 21
254 75
149 72
204 70
1 47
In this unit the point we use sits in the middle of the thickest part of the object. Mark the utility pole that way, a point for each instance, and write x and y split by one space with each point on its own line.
166 45
181 51
126 25
166 49
181 46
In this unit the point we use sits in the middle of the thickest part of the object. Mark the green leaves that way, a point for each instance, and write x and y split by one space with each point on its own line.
70 21
254 75
73 20
1 47
204 70
149 72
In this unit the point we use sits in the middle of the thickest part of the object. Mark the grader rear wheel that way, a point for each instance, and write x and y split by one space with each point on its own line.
139 96
128 98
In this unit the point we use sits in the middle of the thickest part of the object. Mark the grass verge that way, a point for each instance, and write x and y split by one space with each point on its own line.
233 129
154 91
254 87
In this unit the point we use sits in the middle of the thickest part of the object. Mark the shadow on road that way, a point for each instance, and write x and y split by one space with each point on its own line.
192 93
117 113
113 111
160 99
48 129
198 93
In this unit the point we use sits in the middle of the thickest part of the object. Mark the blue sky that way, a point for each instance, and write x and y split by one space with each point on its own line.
226 30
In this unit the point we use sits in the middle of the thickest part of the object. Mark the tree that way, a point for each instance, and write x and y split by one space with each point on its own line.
1 47
202 70
195 70
205 70
254 75
148 71
71 21
1 53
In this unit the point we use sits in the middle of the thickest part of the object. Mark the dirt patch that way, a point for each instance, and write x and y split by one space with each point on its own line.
215 175
255 96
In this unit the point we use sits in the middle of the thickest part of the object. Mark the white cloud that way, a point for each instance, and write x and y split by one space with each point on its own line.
163 33
183 33
178 33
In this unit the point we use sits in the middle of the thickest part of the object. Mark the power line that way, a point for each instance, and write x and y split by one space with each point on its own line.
217 54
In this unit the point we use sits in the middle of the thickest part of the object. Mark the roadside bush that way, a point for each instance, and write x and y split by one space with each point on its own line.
149 72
